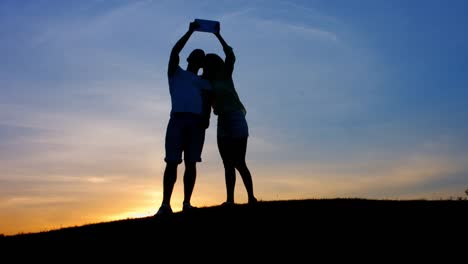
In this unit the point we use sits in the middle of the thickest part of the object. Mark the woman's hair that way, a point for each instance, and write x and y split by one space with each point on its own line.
213 66
214 59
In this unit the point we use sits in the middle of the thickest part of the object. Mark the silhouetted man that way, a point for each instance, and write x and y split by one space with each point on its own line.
188 121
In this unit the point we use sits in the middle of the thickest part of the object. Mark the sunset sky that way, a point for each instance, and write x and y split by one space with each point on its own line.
363 99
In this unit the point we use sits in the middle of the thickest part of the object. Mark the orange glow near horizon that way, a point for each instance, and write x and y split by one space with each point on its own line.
103 201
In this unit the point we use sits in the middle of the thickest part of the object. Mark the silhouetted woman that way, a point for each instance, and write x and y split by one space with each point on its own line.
232 131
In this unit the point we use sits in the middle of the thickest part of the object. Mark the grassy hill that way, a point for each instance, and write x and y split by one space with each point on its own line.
274 228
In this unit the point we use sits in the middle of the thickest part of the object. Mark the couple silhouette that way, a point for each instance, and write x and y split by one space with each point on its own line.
192 98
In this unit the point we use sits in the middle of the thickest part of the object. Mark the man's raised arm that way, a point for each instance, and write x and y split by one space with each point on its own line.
174 58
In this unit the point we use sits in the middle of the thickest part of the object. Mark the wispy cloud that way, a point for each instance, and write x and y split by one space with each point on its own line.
237 14
26 201
308 11
313 32
282 27
368 178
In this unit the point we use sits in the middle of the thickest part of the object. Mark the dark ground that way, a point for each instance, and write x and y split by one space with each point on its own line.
269 230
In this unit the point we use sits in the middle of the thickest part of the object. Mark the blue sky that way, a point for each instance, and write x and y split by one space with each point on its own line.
344 99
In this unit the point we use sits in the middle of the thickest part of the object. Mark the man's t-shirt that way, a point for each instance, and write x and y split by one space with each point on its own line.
186 88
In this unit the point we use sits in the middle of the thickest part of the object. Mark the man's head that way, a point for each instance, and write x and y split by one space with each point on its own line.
196 58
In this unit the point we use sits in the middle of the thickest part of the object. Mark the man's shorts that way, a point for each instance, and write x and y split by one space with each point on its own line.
185 134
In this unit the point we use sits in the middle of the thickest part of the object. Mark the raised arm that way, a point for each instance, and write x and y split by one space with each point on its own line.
230 57
174 58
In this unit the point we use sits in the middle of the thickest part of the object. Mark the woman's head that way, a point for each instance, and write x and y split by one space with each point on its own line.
213 67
